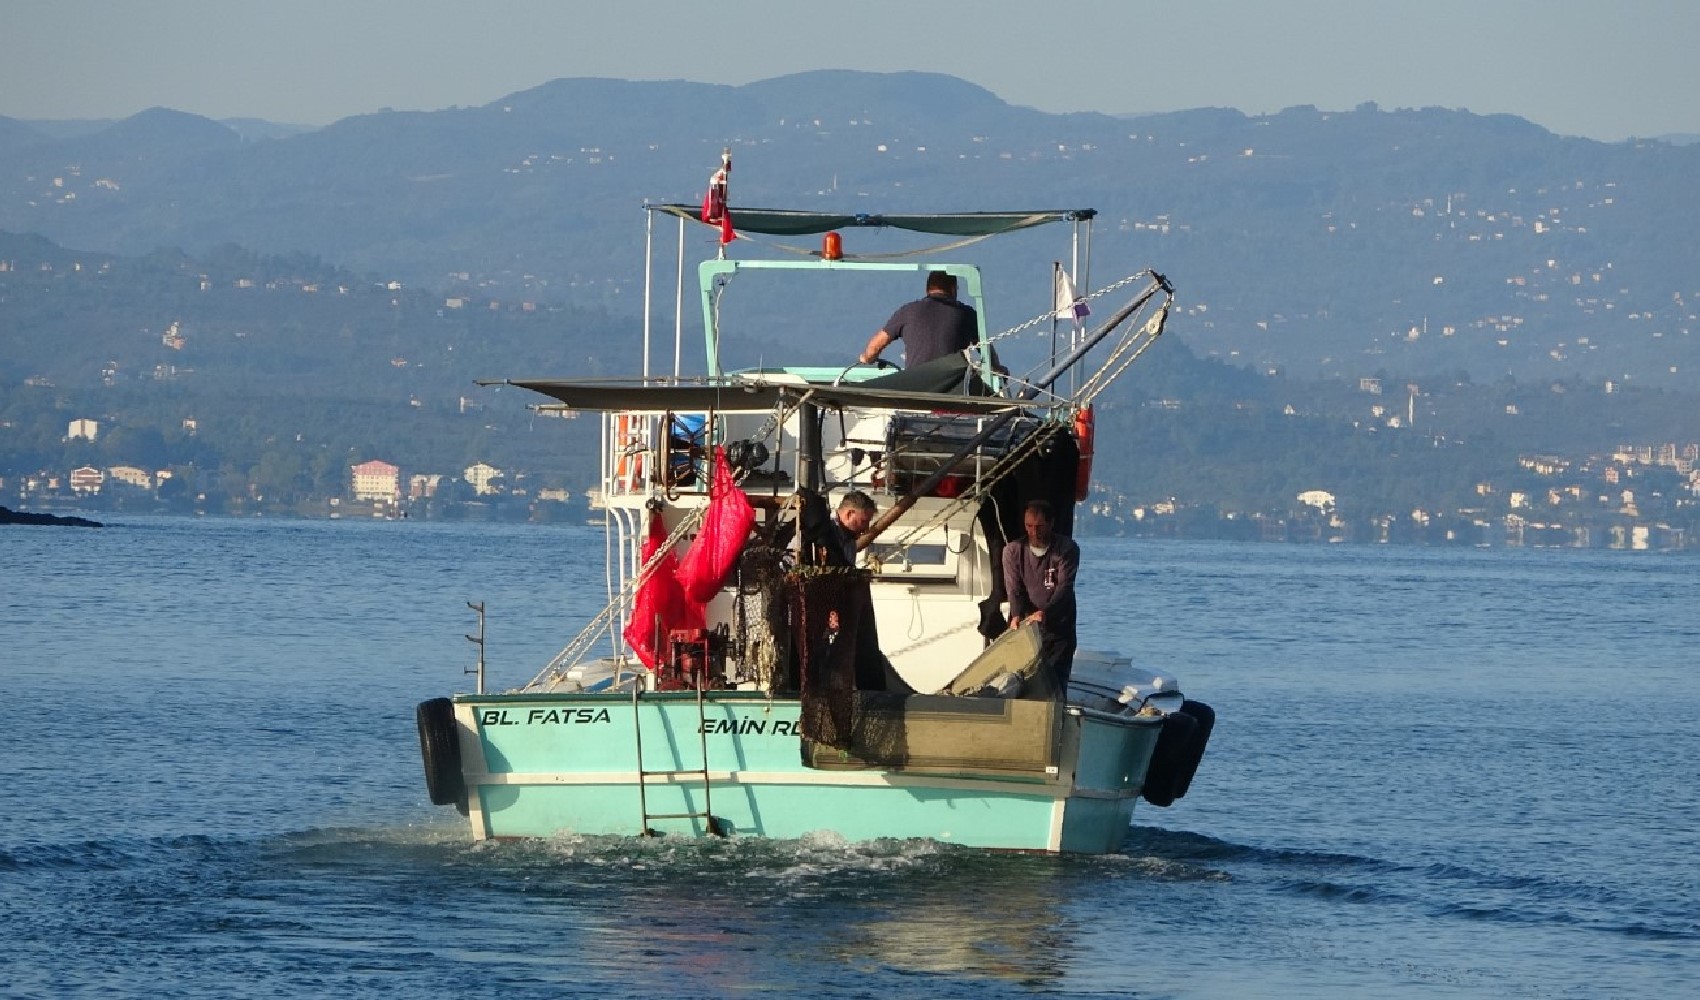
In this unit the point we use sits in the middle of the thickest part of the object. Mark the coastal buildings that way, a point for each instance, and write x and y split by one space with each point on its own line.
376 480
484 479
87 480
131 476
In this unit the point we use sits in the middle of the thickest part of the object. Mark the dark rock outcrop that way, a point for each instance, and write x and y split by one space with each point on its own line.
10 516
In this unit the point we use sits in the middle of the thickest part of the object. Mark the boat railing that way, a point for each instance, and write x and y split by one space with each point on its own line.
920 445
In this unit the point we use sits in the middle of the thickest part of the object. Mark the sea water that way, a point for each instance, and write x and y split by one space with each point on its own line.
1434 773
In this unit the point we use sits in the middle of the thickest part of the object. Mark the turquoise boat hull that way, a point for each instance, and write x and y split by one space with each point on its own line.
1012 775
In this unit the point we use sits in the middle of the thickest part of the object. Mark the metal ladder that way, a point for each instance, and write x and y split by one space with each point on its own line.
715 826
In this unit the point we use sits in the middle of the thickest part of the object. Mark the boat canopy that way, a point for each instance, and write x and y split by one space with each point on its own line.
787 222
659 395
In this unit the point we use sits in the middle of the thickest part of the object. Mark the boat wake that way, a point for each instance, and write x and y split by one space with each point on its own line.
116 854
1449 890
826 869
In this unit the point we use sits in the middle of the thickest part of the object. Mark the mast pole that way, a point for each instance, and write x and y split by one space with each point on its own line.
1074 278
679 302
648 280
1056 268
810 473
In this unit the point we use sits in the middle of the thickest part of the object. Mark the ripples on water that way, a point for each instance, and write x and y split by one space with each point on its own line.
1436 773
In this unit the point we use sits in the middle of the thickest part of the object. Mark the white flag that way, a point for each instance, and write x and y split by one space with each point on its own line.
1068 305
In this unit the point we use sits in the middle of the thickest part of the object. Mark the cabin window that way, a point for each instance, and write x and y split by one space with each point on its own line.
932 558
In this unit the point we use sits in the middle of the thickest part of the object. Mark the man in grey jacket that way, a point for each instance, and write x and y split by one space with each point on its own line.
1038 577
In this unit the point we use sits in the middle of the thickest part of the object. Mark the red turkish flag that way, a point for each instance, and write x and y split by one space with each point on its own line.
714 202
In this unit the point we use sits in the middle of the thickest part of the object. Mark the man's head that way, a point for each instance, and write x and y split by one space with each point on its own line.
856 511
1038 518
941 283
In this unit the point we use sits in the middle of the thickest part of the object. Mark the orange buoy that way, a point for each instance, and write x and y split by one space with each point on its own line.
628 453
1083 431
831 247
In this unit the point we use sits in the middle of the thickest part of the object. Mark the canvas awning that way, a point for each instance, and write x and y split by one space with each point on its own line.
736 393
785 222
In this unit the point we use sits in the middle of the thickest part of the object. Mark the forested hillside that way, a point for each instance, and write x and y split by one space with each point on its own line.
1316 241
1406 308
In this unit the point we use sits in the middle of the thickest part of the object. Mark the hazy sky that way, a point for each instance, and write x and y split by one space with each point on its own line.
1606 69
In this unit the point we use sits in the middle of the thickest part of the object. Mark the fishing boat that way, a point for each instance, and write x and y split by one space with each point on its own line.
742 682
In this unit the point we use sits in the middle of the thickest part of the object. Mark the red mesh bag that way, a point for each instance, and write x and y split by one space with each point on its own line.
660 605
725 529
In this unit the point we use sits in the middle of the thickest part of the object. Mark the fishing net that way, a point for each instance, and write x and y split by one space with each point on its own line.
761 623
857 714
838 655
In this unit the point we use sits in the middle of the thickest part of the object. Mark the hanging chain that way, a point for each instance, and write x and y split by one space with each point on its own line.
1044 316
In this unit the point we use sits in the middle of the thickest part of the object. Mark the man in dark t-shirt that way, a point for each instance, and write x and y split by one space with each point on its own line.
930 327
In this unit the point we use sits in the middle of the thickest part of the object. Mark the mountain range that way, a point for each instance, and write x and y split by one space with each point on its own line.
1410 242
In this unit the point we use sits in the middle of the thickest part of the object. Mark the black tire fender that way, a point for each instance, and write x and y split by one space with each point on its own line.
439 747
1168 758
1206 718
